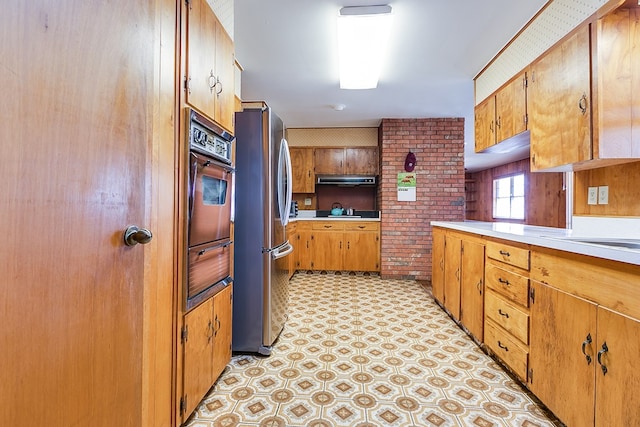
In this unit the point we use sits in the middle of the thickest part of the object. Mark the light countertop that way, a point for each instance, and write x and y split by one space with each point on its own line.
311 216
548 237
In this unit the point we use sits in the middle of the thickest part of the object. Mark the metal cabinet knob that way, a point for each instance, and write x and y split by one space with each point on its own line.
134 235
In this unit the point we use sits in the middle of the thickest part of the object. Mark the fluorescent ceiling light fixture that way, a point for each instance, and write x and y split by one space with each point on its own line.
363 34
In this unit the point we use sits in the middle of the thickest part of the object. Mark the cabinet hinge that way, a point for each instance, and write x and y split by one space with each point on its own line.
531 375
183 404
184 334
462 249
187 2
526 81
532 295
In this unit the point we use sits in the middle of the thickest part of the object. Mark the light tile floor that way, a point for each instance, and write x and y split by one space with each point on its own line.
362 351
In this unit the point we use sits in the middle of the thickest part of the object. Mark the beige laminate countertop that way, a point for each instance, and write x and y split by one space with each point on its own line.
547 237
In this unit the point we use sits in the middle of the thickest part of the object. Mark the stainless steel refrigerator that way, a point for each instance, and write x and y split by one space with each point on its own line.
262 203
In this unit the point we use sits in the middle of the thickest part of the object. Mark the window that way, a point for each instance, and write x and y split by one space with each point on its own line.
508 197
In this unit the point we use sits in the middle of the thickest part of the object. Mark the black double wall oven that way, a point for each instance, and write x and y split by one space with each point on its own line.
209 208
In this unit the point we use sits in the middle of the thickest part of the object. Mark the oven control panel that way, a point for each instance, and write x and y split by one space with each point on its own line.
206 141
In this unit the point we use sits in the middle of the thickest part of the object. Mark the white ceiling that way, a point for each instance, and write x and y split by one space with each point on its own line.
288 51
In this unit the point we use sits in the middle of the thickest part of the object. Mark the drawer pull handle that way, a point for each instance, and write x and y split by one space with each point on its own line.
503 281
600 353
328 226
362 226
502 313
584 345
505 253
504 347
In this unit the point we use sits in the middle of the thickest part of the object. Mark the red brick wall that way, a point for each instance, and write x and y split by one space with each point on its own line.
405 226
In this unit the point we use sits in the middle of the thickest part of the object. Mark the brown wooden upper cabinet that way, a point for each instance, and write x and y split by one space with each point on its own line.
581 99
209 80
502 115
346 161
559 104
302 169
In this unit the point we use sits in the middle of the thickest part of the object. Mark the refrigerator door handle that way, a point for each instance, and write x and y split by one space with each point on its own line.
285 250
284 182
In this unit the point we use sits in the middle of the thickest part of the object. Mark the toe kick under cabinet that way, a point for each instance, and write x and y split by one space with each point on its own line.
506 327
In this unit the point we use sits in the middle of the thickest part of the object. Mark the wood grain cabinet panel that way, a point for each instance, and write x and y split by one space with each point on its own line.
346 161
210 72
329 161
452 274
508 349
511 108
437 274
485 124
510 284
342 245
206 338
472 288
508 316
560 374
302 170
559 96
508 254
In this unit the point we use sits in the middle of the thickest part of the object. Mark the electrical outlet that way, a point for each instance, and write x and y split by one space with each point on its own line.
603 195
592 196
307 201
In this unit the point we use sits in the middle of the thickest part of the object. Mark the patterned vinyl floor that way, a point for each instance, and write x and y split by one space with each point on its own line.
361 351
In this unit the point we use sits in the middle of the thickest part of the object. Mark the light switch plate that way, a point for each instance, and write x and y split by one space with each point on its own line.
592 196
603 195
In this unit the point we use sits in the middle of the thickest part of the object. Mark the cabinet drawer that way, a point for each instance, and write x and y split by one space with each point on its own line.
512 255
327 225
513 286
362 226
506 348
507 315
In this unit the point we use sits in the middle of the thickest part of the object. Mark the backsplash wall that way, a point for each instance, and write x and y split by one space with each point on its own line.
406 239
624 190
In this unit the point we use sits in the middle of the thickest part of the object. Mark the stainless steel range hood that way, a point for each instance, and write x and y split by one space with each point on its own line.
346 180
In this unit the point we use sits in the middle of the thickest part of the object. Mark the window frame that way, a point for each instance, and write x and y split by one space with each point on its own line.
511 198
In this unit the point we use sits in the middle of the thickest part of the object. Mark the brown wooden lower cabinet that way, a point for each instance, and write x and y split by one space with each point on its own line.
338 245
565 324
207 347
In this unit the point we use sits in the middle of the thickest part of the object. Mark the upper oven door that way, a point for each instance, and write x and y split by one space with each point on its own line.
209 200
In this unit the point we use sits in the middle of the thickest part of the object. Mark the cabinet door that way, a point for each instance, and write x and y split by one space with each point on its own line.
328 250
485 125
560 374
617 402
511 109
201 40
361 161
472 288
222 309
452 275
329 161
362 252
292 259
198 372
225 83
437 269
302 170
559 104
304 250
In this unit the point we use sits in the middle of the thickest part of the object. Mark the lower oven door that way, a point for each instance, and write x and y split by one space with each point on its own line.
208 265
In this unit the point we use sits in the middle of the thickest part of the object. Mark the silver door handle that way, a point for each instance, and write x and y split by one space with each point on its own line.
134 235
282 253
